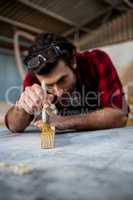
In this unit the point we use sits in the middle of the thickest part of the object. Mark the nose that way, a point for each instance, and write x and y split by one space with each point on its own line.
57 91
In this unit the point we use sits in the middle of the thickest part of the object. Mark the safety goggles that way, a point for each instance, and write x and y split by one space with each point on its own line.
47 55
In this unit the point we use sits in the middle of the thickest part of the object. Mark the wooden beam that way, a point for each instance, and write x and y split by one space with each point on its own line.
21 25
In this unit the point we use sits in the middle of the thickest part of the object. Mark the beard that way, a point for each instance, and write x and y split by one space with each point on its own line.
67 96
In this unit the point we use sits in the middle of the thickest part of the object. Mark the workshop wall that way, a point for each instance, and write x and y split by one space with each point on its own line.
10 80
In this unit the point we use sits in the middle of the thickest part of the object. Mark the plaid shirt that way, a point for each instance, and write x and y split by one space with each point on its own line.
97 83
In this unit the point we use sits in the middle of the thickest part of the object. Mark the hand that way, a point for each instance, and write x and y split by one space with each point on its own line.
54 120
33 99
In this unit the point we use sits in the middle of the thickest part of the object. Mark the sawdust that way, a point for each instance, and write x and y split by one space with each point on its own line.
16 169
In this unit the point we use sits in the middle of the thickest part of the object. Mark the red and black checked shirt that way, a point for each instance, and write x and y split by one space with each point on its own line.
97 82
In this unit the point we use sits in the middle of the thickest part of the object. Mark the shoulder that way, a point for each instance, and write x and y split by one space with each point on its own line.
96 62
101 55
29 80
90 53
93 56
101 60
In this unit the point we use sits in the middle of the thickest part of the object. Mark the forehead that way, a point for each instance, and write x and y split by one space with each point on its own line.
61 69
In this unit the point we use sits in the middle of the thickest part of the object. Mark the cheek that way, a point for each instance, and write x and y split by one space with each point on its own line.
69 82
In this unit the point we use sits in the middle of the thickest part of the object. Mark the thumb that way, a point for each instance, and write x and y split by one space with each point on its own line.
38 124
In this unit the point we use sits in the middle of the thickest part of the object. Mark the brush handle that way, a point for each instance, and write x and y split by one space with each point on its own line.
51 109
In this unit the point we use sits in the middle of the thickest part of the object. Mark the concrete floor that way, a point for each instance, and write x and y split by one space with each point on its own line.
94 165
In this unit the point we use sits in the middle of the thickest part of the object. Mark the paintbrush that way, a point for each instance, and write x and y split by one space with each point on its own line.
48 132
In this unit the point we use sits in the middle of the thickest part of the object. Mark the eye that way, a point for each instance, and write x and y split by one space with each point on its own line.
62 80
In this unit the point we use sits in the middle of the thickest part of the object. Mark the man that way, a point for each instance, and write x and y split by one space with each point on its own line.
84 87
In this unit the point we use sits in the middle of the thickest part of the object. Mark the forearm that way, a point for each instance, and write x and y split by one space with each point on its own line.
101 119
17 119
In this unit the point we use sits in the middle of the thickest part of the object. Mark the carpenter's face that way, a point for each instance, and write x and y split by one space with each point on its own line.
61 79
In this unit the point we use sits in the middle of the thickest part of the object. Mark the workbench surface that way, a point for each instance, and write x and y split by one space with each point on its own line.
96 165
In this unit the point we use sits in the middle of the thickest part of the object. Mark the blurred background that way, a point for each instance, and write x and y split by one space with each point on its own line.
104 24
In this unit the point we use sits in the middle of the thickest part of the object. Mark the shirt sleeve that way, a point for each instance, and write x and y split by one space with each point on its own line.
29 80
109 85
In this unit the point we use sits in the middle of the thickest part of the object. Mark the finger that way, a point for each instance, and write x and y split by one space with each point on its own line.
48 101
39 124
50 98
29 101
33 95
36 100
25 106
50 112
38 91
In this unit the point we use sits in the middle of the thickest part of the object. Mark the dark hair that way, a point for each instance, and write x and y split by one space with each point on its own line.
46 39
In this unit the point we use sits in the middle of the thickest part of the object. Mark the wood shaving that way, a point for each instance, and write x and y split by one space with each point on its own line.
17 169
